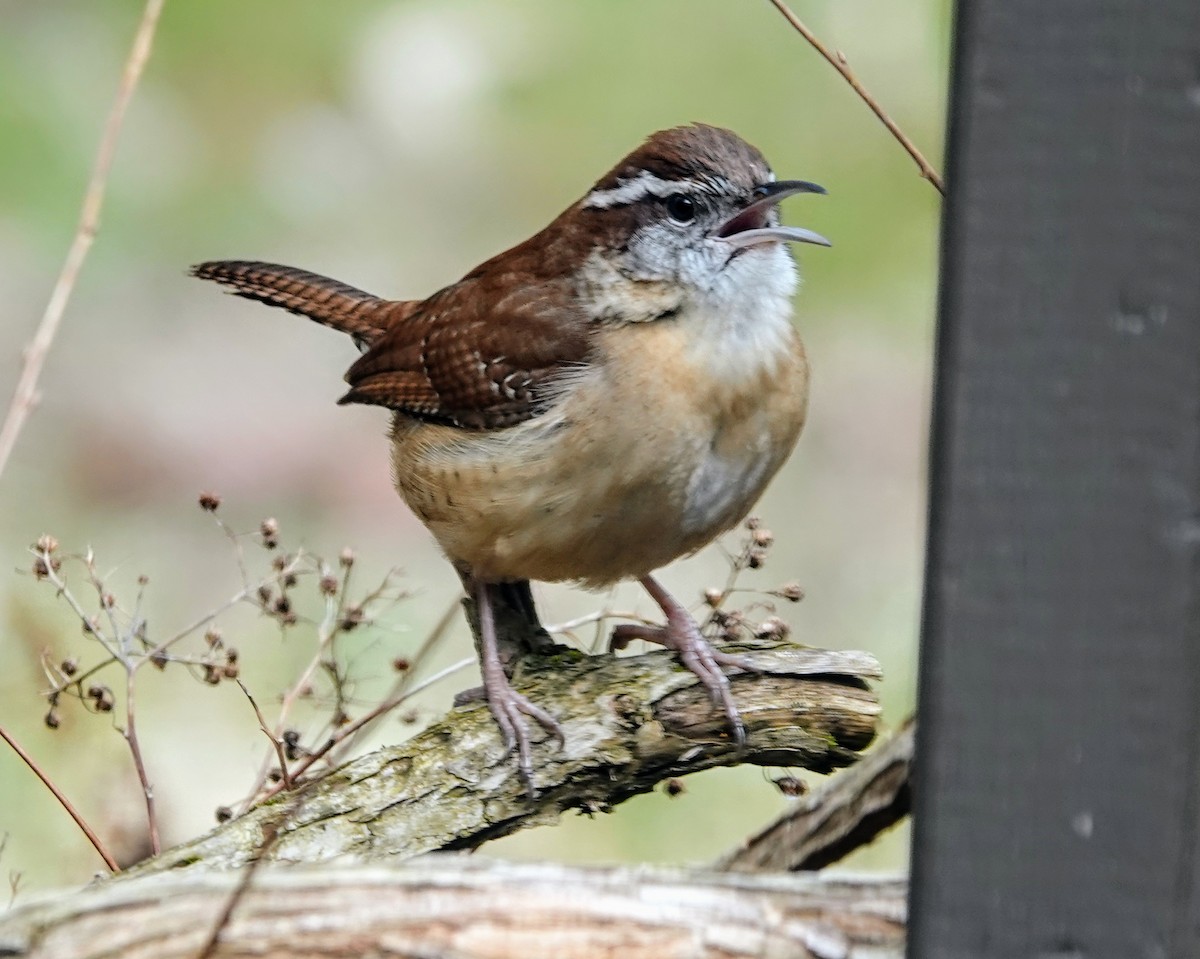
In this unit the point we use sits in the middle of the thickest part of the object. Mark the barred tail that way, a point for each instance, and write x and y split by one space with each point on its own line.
327 301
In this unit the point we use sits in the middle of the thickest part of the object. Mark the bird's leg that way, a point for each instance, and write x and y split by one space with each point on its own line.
514 600
519 632
508 707
683 635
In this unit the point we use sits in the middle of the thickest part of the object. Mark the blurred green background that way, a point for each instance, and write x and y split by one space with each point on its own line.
394 145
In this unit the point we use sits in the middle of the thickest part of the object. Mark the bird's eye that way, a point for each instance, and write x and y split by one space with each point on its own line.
681 208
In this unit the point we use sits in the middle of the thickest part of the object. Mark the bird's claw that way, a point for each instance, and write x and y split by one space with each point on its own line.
682 634
509 708
695 652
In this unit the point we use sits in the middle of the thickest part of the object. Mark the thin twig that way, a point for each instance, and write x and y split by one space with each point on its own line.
118 647
351 728
332 624
270 834
112 647
121 651
239 554
391 703
135 750
62 800
837 60
25 395
240 596
567 627
403 682
275 741
60 682
327 629
108 605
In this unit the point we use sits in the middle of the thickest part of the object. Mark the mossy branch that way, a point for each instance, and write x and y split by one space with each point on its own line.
630 722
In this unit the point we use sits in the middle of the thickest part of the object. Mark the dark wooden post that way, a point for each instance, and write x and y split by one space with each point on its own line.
1058 782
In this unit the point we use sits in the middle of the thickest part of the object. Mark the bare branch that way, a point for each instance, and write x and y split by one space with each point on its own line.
25 395
630 723
401 690
837 60
62 800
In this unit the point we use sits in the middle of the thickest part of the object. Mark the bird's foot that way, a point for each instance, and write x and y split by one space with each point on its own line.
509 708
626 633
682 634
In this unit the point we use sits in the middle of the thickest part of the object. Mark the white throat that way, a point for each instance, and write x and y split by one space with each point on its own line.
738 319
743 321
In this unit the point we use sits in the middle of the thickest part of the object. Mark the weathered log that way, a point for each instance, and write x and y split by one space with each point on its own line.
449 907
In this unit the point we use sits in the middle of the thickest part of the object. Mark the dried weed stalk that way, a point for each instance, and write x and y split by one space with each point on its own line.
290 584
26 394
121 643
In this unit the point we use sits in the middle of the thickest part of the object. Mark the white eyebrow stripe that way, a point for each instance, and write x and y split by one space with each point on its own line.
647 184
630 191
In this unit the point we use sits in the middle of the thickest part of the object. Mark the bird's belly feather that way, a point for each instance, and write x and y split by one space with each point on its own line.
623 476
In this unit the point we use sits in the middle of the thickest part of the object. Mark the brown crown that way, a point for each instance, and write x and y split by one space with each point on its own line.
690 152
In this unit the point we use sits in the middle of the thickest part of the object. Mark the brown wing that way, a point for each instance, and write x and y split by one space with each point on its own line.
470 358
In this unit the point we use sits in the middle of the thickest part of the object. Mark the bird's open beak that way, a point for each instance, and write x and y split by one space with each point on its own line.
751 225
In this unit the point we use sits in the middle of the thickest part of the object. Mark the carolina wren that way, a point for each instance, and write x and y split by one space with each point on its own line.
597 401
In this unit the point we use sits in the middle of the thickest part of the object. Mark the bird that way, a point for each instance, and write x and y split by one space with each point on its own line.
601 399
